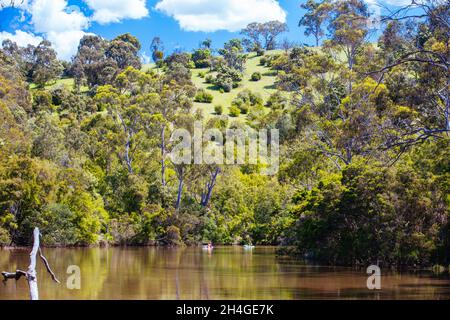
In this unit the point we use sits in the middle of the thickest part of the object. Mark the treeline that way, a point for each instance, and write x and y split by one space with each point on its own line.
364 129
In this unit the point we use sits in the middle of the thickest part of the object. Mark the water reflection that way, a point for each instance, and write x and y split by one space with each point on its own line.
192 273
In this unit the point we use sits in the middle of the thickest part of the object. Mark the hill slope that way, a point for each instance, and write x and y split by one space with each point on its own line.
265 87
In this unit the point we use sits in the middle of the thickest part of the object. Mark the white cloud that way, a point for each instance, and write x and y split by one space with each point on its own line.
52 16
107 11
62 25
65 25
20 37
231 15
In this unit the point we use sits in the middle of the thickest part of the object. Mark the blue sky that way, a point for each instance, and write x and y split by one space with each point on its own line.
181 24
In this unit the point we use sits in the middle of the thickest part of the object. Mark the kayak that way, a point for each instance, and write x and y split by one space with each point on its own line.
248 247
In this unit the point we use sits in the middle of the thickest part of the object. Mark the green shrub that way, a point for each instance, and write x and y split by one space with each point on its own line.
228 78
42 101
227 86
260 52
209 78
249 98
202 58
256 76
263 61
203 96
235 111
218 109
173 236
201 74
244 108
277 101
4 237
242 105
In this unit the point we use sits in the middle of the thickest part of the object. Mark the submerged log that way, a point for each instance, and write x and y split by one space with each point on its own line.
31 274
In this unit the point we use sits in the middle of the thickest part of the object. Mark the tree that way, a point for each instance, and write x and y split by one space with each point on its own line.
206 44
270 31
127 103
124 50
233 53
253 34
313 20
424 51
46 66
202 58
263 35
99 61
157 49
89 62
349 28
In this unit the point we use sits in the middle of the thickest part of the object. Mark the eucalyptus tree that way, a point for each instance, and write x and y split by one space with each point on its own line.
263 35
125 103
46 66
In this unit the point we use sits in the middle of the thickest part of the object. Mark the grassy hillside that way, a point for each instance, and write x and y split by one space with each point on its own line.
265 87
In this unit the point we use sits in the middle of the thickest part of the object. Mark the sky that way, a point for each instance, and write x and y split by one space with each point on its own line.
181 24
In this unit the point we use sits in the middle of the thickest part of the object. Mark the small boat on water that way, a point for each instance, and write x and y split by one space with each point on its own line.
208 247
248 247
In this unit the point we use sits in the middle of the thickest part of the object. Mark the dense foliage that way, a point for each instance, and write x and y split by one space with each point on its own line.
364 166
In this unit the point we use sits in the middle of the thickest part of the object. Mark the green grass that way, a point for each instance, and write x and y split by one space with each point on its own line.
265 87
68 83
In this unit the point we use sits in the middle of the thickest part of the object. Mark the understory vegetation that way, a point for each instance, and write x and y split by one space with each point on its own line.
364 132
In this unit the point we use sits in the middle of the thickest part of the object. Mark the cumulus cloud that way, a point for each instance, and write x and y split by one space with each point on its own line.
231 15
53 16
20 37
107 11
62 25
65 25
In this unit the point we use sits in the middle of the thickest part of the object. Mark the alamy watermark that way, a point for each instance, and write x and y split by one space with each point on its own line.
374 280
235 147
74 279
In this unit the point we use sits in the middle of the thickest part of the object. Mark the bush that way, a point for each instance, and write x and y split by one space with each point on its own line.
235 112
277 101
256 76
202 58
242 105
201 74
260 52
204 97
228 78
227 86
4 237
173 236
218 109
263 61
244 108
249 98
373 214
42 101
209 79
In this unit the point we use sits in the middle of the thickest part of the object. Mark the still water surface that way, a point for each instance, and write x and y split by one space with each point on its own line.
192 273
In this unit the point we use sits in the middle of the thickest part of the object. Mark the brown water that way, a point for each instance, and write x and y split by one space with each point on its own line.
191 273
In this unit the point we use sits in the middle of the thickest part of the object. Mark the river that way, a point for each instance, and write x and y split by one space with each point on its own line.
192 273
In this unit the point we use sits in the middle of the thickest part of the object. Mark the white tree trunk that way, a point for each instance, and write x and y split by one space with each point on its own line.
31 273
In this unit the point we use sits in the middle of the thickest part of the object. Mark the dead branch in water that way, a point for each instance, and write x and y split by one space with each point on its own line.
30 274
